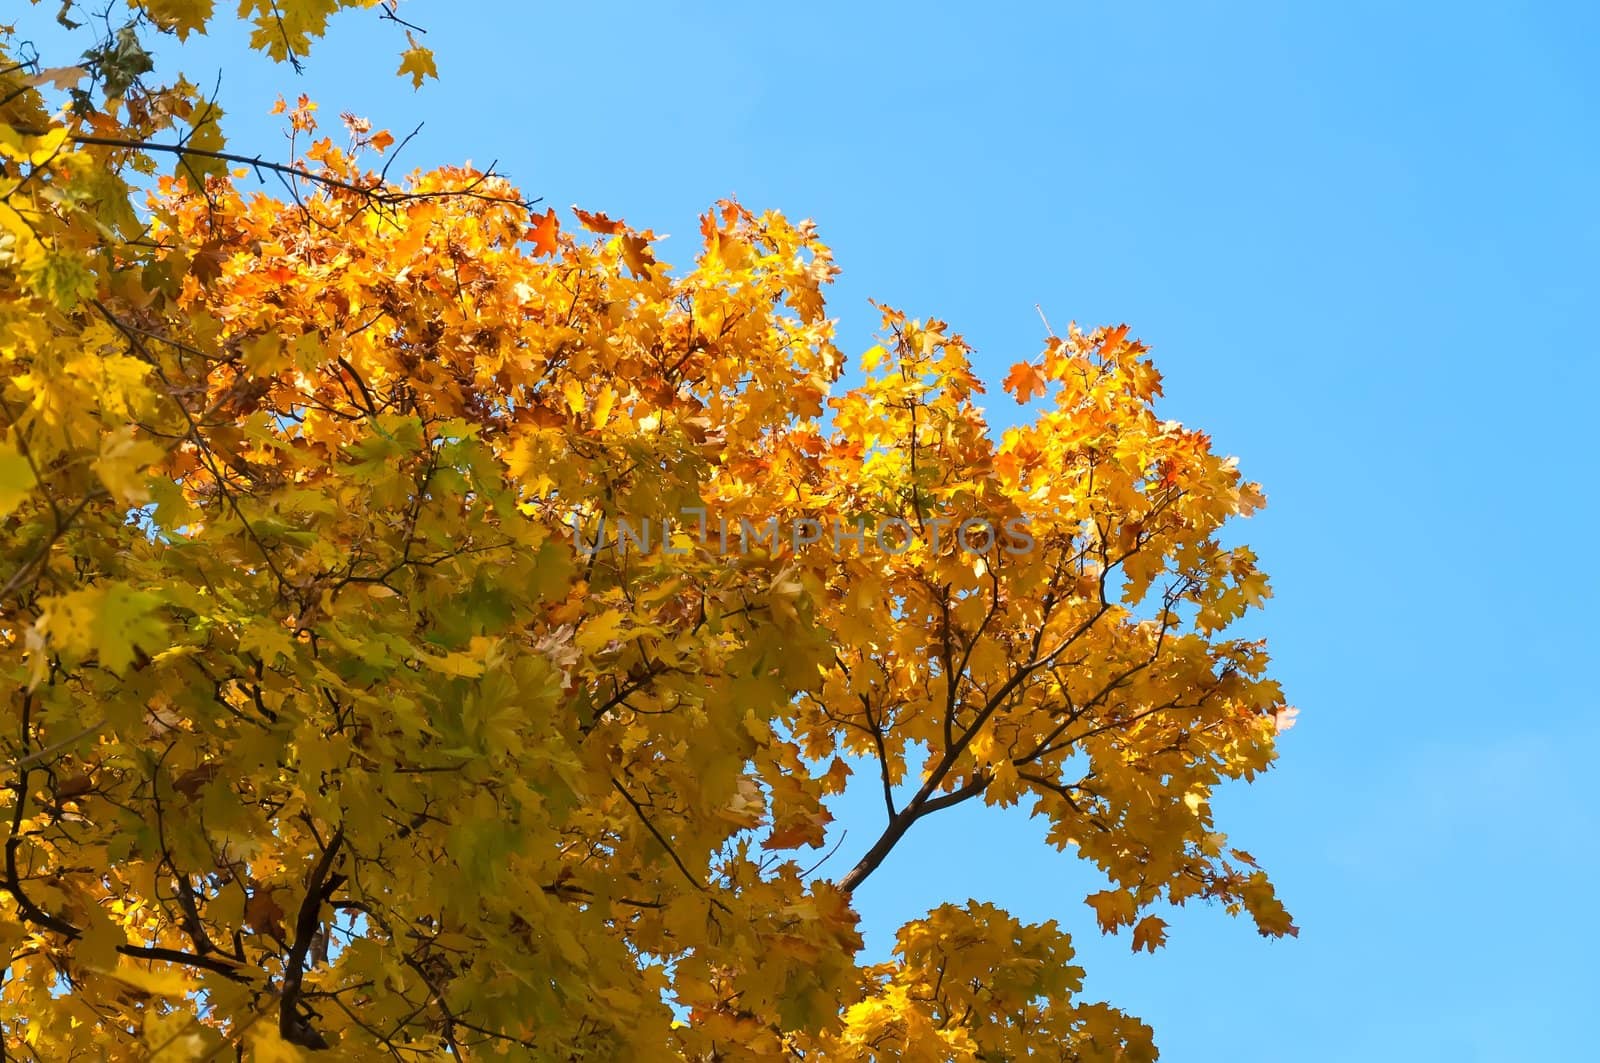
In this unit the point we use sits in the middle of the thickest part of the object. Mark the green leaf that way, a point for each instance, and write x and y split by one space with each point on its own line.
16 478
126 624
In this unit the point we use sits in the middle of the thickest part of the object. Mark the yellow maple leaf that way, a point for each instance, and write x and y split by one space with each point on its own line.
122 462
418 62
182 17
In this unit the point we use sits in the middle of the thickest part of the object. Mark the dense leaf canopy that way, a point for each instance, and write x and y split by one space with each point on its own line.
433 627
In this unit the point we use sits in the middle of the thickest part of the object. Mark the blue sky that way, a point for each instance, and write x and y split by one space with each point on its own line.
1362 239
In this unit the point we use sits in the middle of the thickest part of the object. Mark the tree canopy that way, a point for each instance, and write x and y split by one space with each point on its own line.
433 626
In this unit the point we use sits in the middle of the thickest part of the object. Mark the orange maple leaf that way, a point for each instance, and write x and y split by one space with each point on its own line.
597 222
1150 934
1025 381
544 234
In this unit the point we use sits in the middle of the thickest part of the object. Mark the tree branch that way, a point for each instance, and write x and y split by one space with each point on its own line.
376 192
291 1027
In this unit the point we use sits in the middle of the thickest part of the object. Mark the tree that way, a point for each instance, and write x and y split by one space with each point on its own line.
434 631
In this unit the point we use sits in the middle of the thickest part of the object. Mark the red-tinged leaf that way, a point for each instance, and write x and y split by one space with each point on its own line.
598 222
544 234
264 914
191 782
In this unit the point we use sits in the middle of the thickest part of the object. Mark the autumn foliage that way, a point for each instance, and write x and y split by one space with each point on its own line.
324 734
